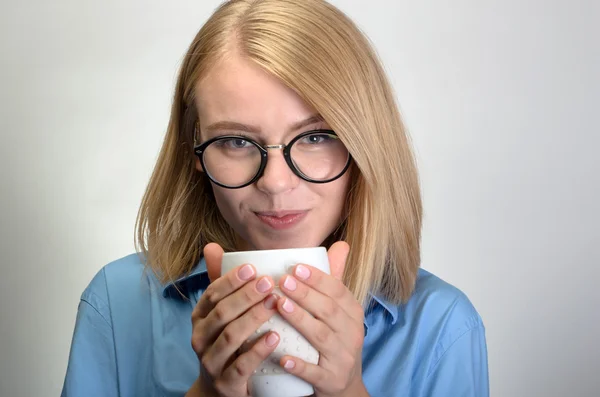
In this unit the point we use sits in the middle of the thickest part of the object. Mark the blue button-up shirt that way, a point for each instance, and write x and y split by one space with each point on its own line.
133 338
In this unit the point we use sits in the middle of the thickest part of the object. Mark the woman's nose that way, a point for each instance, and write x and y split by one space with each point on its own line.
277 176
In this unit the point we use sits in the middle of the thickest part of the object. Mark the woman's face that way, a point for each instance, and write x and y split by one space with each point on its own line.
280 210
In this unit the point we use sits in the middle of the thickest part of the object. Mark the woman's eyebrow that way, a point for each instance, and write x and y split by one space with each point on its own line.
317 118
235 126
231 125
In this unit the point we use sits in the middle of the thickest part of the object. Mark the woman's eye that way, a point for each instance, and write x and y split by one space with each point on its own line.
316 139
238 143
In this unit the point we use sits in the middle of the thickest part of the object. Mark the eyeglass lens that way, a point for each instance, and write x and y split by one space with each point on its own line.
235 161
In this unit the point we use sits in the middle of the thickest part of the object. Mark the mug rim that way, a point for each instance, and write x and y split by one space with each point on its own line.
273 251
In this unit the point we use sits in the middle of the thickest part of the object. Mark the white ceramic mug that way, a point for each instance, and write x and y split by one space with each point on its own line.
270 380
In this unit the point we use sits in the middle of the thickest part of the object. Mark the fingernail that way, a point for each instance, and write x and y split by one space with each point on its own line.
263 285
246 272
289 364
272 339
288 306
290 283
302 272
271 302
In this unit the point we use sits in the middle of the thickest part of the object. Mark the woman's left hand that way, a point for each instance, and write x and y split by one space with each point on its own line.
334 326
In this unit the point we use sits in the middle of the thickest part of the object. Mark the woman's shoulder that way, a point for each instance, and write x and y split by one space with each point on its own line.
439 308
118 282
433 289
434 295
123 270
433 343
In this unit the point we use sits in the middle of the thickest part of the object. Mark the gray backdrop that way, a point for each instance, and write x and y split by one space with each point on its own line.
501 98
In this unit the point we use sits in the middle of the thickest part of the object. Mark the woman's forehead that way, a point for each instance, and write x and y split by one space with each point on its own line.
239 91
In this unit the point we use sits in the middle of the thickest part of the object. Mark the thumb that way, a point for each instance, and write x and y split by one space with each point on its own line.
213 254
337 255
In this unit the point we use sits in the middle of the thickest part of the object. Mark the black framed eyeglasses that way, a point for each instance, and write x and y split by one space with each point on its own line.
235 161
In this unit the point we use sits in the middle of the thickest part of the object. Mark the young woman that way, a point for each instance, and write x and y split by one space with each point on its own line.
284 133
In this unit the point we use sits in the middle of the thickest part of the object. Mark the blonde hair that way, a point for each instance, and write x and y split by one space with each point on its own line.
316 50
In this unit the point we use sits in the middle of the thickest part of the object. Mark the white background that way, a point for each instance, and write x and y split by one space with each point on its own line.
501 99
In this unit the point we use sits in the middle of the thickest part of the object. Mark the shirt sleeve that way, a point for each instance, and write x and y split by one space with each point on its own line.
462 370
92 369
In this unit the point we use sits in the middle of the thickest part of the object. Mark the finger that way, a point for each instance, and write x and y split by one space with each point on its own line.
213 255
221 288
316 332
319 305
328 286
234 305
311 373
240 371
237 332
337 255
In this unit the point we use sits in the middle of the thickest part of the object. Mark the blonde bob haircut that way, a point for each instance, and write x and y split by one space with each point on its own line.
317 51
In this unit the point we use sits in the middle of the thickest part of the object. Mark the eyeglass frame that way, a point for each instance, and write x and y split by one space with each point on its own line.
263 149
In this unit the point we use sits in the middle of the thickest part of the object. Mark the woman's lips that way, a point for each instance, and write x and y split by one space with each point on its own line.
281 220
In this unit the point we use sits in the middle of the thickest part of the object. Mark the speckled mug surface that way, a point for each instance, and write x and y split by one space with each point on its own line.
270 380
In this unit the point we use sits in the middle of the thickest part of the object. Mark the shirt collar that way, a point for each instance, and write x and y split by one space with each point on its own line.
186 284
390 308
199 274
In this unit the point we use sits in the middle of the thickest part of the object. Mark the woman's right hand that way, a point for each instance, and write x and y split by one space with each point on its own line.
231 309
